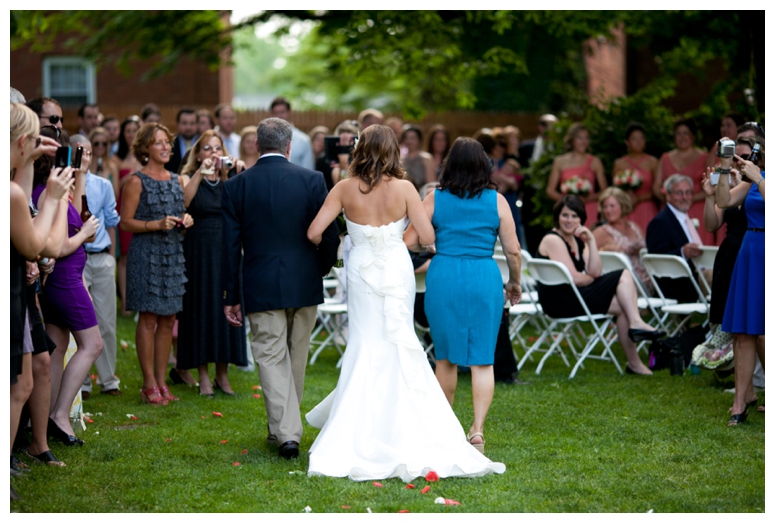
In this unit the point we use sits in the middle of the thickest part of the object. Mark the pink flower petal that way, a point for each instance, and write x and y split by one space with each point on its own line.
346 507
168 440
425 490
257 396
451 502
409 485
256 387
403 511
244 451
432 476
224 441
89 420
217 414
133 418
377 484
236 463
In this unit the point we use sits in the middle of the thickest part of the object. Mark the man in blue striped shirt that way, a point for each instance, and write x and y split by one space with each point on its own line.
100 271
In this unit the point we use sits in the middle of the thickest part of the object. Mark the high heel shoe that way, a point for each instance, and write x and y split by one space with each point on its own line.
211 395
218 387
638 335
165 393
175 377
53 431
628 370
157 399
737 419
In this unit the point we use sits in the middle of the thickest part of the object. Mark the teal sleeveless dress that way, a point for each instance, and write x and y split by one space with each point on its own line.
464 297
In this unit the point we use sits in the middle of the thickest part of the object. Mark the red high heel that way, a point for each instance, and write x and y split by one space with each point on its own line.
165 392
157 398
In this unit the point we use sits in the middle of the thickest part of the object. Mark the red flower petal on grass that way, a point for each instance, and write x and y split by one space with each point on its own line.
257 396
432 476
244 451
377 484
256 387
346 507
451 502
133 418
203 417
93 376
217 414
403 511
89 420
236 463
425 490
224 441
409 485
168 440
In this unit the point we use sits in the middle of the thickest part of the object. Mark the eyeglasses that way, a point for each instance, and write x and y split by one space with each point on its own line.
54 119
682 193
208 148
100 144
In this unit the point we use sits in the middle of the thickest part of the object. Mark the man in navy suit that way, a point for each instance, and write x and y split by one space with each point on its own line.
184 140
671 231
266 212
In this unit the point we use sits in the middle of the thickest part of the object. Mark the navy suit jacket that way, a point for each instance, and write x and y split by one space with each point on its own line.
664 235
267 210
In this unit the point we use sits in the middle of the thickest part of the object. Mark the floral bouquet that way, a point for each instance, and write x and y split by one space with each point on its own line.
628 180
577 186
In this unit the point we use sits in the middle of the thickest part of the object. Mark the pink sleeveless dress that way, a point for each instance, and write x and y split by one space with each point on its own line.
694 171
632 248
583 171
647 209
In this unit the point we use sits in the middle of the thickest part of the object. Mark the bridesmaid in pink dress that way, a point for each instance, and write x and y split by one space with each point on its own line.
637 160
577 163
690 161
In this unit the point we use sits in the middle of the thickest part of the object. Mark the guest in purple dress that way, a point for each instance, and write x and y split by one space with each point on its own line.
67 307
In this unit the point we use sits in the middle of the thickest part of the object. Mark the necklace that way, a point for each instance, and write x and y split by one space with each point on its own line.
212 184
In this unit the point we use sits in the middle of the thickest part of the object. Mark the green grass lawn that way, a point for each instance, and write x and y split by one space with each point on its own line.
601 442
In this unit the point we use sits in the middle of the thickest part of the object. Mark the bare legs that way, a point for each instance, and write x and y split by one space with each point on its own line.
625 307
745 362
153 338
67 381
20 391
40 402
221 376
122 284
482 385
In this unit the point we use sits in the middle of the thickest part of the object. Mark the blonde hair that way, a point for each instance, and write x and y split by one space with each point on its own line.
24 121
145 138
250 129
94 132
375 155
192 164
622 197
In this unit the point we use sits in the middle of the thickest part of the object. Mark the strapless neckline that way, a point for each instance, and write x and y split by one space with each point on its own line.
375 226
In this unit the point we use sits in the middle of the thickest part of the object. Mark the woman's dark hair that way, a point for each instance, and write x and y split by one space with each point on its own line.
432 132
467 170
572 202
689 123
45 163
411 128
750 141
738 118
487 142
631 128
123 146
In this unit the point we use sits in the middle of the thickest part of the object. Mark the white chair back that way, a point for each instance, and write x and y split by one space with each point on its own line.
707 257
503 266
669 266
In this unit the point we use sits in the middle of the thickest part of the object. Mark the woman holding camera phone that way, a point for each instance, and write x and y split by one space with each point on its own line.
744 312
152 209
204 335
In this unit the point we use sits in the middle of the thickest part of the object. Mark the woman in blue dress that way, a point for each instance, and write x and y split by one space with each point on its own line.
464 297
744 313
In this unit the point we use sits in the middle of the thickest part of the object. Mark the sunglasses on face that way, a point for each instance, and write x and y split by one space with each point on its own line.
100 144
54 119
208 148
744 156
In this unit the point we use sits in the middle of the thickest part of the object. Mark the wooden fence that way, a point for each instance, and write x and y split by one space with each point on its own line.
457 123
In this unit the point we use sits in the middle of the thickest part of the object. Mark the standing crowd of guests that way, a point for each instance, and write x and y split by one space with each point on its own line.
145 204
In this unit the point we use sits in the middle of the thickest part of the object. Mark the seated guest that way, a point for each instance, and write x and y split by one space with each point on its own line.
672 232
573 245
618 234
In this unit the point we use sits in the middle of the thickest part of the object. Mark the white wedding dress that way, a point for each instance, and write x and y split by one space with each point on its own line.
388 416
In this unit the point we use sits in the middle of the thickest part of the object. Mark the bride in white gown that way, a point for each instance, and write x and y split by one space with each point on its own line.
388 416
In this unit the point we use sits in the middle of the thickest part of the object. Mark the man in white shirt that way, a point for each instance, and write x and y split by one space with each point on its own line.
301 146
226 119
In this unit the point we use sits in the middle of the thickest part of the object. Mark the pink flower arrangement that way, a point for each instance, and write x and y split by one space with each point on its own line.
576 185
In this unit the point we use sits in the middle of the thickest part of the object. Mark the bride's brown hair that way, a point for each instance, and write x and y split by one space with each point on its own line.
375 155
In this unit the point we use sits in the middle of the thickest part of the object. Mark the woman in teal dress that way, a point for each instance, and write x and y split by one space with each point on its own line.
465 293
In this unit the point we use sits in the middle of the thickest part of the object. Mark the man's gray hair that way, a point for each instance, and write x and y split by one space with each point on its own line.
17 97
78 138
674 179
274 135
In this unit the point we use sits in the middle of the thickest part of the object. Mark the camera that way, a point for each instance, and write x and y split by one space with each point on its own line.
223 162
726 148
334 147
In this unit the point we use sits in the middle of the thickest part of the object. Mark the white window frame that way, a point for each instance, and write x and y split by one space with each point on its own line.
91 77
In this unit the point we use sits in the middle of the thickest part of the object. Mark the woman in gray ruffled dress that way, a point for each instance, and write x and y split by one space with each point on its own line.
152 209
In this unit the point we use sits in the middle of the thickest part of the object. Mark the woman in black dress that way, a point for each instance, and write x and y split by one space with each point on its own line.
573 245
204 335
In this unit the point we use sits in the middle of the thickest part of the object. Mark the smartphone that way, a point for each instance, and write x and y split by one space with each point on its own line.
78 156
62 157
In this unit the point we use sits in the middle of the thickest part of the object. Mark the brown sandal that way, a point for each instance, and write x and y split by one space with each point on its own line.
477 446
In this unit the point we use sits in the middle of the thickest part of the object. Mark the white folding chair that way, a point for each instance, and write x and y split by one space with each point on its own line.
421 330
706 259
332 316
613 261
674 267
549 272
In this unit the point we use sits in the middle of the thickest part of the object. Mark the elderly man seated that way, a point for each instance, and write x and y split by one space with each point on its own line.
671 231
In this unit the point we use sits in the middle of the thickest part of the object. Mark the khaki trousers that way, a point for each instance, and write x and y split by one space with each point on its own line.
100 276
280 345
